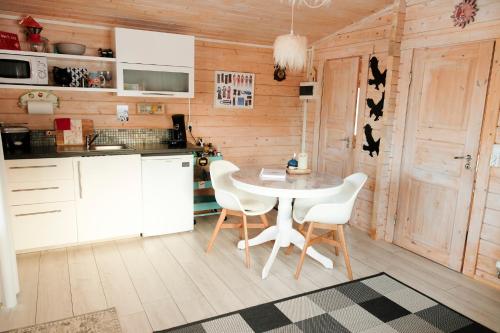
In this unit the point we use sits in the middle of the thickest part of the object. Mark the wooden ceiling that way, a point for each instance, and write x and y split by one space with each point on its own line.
250 21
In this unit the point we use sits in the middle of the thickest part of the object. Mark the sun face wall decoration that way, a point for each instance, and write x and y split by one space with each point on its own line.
464 13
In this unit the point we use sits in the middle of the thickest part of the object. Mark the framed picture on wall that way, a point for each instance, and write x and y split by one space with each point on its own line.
234 90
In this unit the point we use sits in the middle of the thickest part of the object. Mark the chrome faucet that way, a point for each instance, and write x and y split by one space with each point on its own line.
89 139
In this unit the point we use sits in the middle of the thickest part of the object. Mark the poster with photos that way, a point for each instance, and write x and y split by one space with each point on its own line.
234 90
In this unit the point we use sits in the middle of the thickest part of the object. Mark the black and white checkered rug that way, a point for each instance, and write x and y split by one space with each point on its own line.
375 304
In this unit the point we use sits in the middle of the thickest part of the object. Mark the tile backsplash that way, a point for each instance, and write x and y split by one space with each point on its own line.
132 136
39 138
112 136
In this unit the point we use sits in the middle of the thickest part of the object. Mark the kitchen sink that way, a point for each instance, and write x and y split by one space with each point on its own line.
110 147
93 148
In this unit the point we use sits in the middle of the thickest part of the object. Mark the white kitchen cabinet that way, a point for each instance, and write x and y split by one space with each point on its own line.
25 170
154 48
167 186
154 80
41 198
43 225
108 196
157 64
25 193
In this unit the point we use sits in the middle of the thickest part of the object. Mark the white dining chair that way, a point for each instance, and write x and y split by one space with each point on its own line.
235 202
329 213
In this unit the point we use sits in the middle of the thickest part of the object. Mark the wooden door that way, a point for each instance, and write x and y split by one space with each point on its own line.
443 123
338 113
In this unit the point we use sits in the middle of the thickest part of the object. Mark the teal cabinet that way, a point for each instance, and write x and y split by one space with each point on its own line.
204 204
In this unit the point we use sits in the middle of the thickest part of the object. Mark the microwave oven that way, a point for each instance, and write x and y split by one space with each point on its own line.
23 69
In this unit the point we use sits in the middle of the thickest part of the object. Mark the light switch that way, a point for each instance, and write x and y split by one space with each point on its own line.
495 156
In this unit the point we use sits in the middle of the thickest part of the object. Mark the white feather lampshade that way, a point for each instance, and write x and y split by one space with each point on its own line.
290 52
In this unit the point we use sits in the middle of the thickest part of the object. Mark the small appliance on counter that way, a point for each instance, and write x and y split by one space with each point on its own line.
179 139
15 138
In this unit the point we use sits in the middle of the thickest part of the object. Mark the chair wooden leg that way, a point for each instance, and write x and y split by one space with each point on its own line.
216 230
344 250
334 236
304 249
247 249
289 250
263 218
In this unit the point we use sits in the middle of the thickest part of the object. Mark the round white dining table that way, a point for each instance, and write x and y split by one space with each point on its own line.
294 186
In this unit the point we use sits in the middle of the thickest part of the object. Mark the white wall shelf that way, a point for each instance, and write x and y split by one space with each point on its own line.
60 56
30 87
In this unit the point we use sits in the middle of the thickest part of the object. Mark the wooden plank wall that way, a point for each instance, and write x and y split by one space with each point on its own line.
381 203
427 24
392 34
368 37
489 242
266 135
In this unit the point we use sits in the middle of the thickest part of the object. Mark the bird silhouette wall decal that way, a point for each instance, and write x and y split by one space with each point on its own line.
372 146
376 110
378 77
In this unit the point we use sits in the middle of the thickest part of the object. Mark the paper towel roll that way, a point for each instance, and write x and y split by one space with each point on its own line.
40 107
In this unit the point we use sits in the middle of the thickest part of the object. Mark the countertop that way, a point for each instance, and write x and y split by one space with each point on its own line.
148 149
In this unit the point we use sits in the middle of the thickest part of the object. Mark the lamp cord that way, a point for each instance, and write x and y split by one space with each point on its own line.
305 2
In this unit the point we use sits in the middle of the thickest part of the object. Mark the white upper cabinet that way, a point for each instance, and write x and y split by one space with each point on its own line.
154 80
153 63
154 48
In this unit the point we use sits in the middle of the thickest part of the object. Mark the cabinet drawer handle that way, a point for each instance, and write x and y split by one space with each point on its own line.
157 93
40 213
36 189
33 167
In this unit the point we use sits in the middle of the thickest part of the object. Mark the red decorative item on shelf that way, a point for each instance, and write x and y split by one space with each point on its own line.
464 13
9 41
30 22
33 30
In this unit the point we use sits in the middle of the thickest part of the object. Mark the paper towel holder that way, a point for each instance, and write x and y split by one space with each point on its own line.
39 96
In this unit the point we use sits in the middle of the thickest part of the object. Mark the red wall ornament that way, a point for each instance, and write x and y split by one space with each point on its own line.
464 13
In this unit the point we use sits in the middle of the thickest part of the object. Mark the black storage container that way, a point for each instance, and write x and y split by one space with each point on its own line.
15 138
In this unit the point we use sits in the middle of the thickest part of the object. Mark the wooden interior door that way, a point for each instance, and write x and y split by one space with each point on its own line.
443 123
338 113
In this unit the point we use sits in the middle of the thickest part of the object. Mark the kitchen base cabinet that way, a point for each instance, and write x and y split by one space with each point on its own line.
38 169
56 202
25 193
43 225
108 196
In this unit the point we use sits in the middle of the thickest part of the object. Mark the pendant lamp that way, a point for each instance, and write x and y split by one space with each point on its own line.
290 50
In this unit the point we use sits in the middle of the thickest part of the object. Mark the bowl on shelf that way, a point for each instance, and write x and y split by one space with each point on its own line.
70 48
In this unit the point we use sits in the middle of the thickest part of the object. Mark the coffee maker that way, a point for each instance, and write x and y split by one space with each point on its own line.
178 139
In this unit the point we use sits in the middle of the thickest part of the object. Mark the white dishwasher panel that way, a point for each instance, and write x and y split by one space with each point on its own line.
167 194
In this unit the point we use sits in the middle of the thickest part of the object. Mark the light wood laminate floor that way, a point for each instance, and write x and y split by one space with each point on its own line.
160 282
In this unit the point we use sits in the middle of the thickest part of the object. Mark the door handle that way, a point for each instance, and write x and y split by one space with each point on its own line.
467 158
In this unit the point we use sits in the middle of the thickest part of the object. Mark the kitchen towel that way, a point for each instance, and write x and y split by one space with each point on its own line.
62 124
